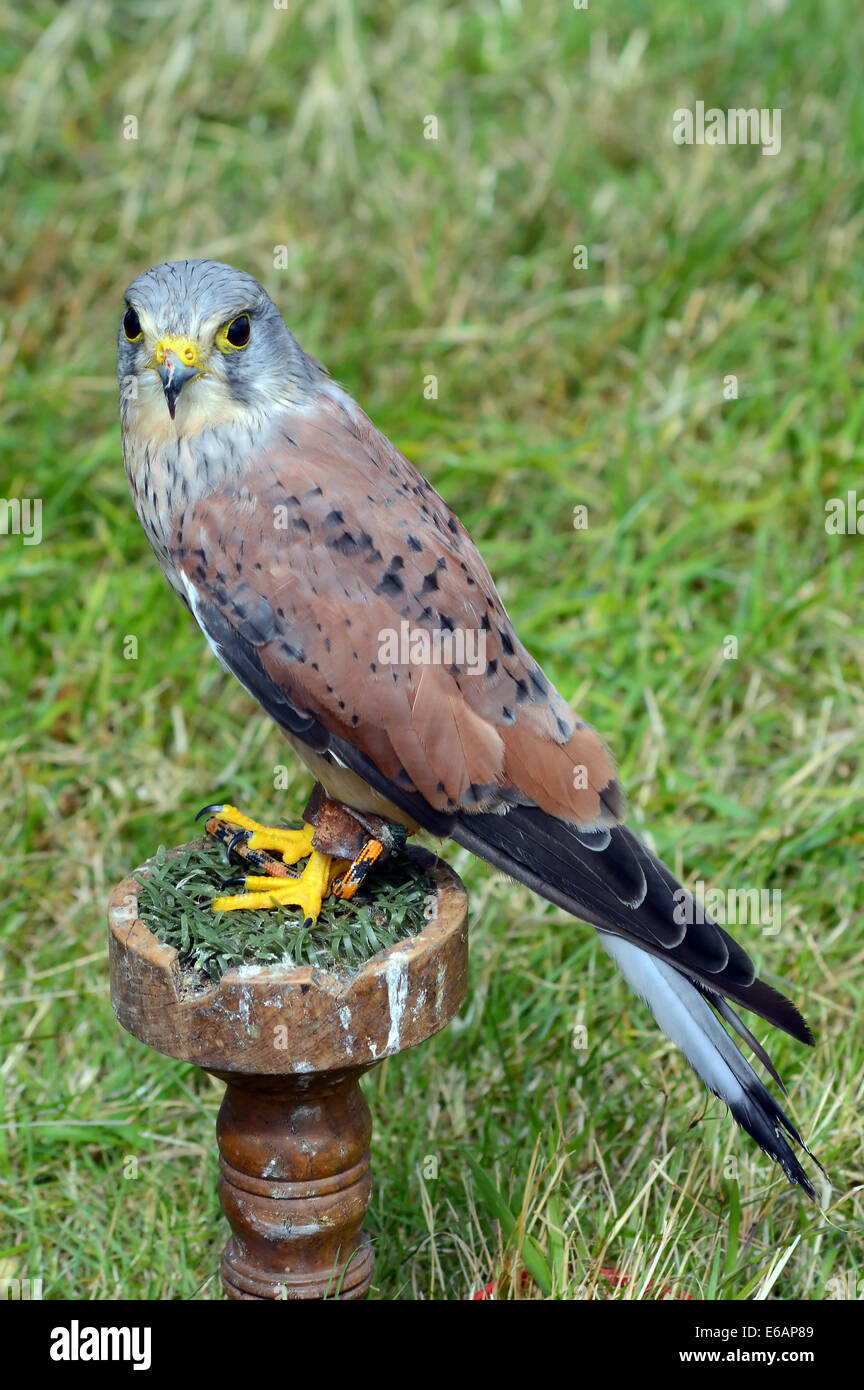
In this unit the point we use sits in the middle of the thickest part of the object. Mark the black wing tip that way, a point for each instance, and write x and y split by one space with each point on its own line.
775 1008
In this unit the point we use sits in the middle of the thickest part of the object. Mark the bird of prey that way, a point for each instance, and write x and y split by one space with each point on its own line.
331 579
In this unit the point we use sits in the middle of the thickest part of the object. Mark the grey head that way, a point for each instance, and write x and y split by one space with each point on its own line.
203 343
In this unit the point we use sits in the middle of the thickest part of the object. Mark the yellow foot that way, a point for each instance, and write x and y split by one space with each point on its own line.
293 845
306 892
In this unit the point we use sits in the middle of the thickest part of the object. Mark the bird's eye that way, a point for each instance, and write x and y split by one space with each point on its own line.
238 331
132 325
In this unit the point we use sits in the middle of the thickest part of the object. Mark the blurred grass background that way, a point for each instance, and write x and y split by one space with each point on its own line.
406 257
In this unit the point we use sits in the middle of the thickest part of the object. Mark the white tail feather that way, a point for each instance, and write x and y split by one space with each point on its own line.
687 1019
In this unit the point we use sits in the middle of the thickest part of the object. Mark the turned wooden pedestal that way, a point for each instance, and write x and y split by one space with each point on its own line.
291 1046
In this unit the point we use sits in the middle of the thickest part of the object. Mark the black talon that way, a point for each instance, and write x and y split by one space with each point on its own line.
210 810
232 883
241 837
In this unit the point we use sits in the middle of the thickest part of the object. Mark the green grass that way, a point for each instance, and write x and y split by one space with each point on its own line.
175 896
497 1141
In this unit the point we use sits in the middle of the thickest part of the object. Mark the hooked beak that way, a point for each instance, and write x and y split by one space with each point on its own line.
174 375
176 361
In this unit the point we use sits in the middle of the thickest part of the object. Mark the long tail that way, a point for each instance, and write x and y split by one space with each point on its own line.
683 965
685 1017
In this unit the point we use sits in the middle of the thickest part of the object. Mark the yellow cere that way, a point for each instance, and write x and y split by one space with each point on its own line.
183 348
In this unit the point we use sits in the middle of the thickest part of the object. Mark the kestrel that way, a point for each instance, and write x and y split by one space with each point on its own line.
331 579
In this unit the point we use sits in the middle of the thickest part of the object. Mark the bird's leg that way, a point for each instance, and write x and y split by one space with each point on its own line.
306 892
343 845
293 845
274 885
358 836
392 836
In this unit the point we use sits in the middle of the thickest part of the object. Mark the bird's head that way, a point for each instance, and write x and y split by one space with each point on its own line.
202 344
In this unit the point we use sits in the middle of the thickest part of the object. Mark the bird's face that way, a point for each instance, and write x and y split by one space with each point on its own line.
201 344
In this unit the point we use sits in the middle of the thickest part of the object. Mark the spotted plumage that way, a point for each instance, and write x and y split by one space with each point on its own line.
308 549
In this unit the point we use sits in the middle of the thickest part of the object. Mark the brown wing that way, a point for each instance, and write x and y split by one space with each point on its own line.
369 606
331 540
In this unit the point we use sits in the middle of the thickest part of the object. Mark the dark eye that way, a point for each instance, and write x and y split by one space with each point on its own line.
238 331
131 325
